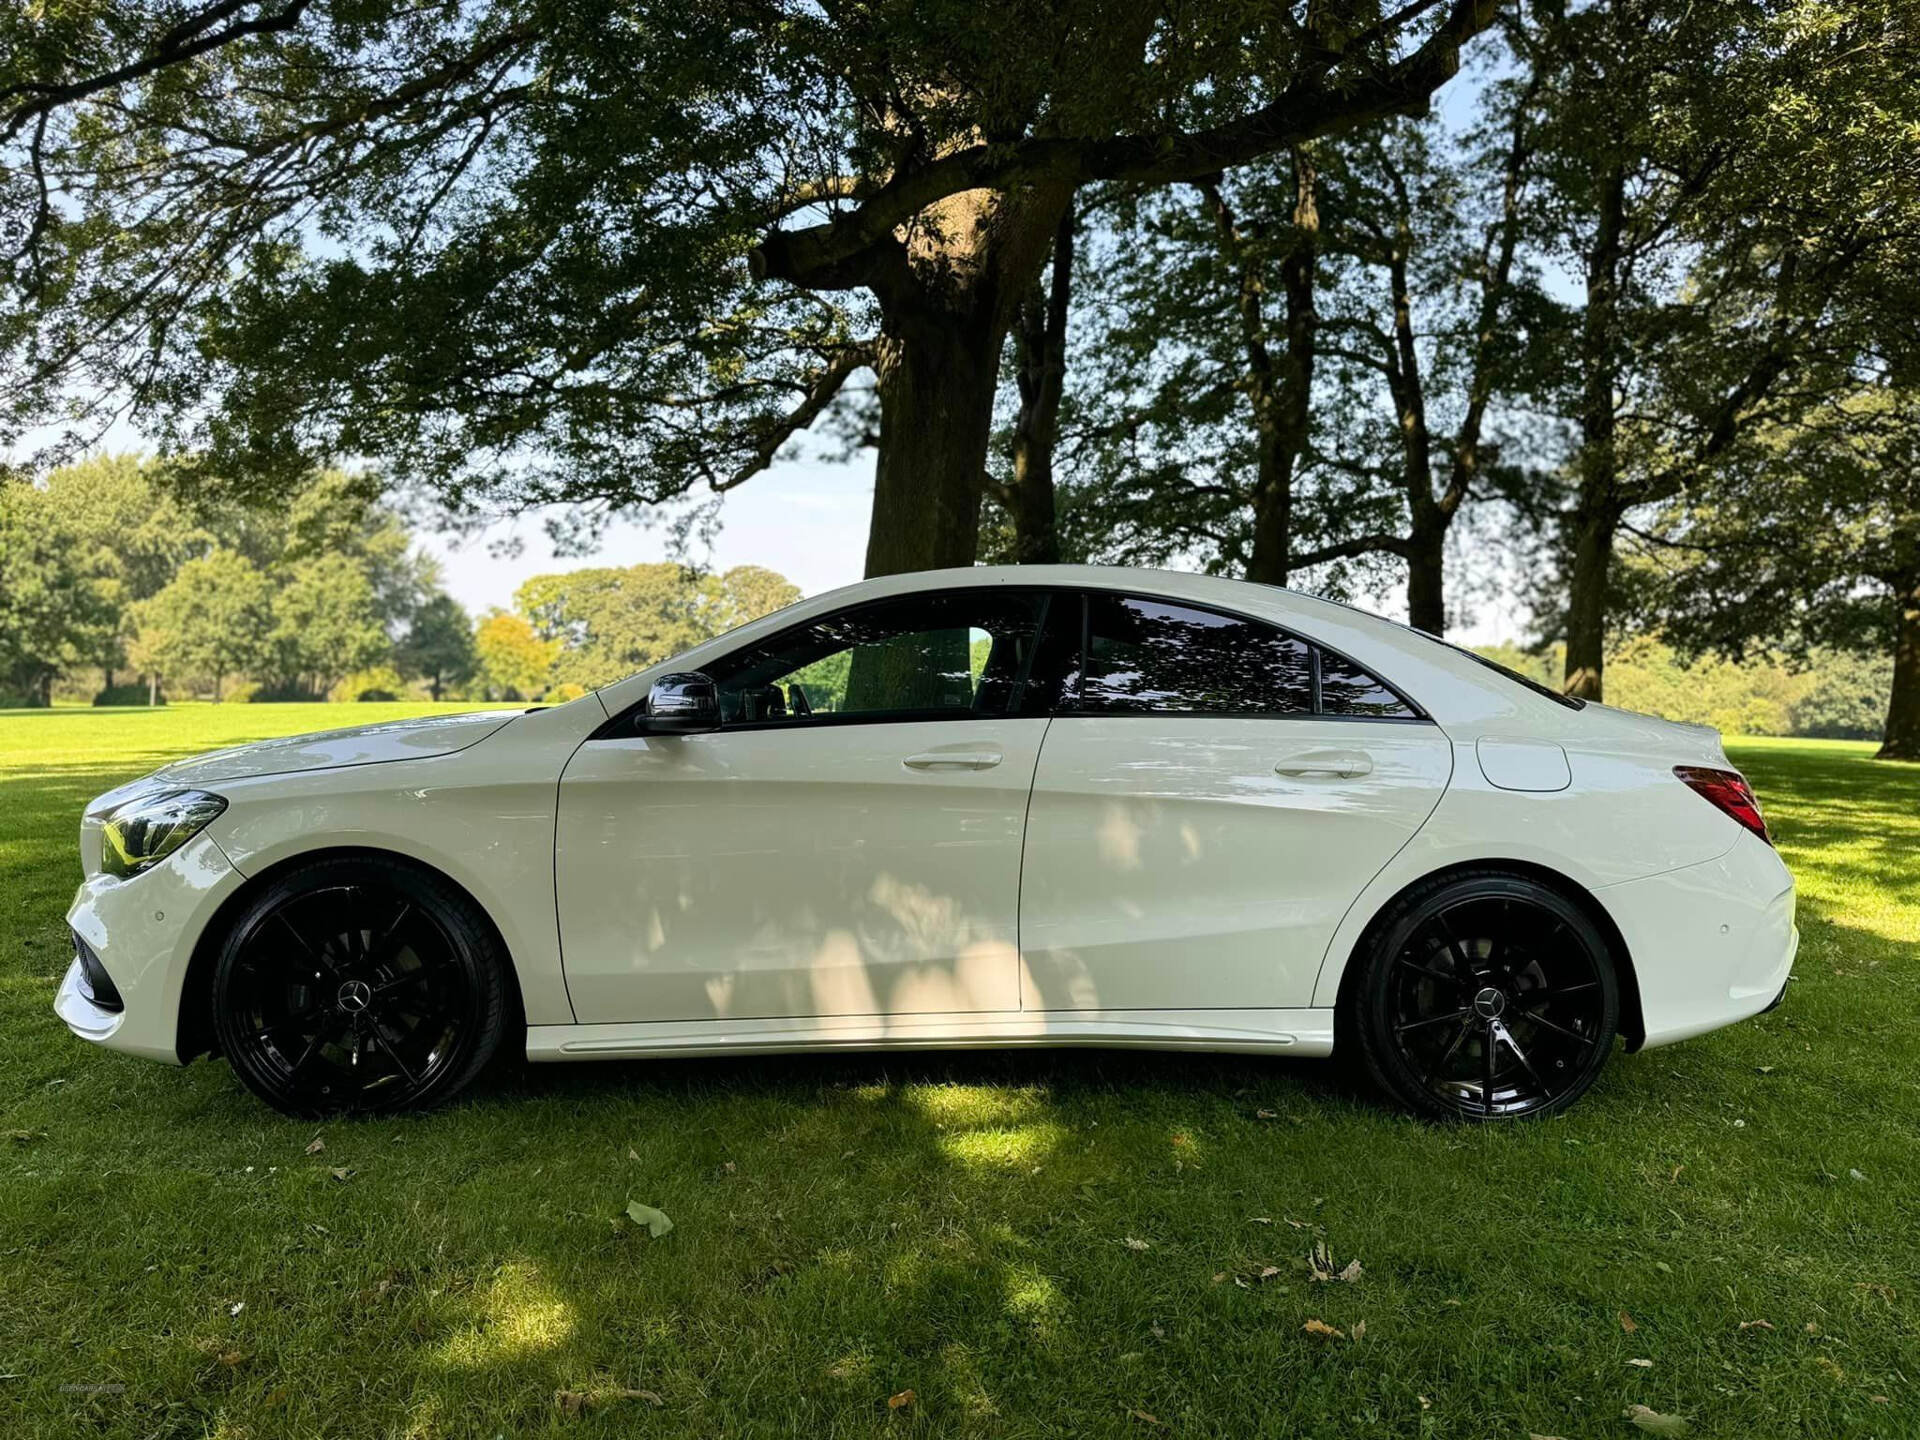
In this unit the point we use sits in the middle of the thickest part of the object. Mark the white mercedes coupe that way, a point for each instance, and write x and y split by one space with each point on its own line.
1001 806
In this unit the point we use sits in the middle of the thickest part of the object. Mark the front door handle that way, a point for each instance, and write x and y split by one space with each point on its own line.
954 760
1326 765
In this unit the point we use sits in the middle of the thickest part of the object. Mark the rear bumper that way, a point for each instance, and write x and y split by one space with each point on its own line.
1712 943
143 932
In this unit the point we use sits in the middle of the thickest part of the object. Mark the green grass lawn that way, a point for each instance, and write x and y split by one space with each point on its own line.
1031 1243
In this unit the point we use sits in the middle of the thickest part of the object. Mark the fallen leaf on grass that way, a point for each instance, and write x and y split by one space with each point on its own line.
1144 1417
1351 1274
1643 1364
1267 1272
900 1401
573 1402
316 1145
26 1137
1626 1323
655 1222
1879 1399
1532 1436
1265 1115
1756 1324
1830 1365
1653 1422
1219 1276
1321 1328
1133 1244
1359 1331
342 1174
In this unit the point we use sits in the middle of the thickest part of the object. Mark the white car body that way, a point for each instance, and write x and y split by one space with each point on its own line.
1163 881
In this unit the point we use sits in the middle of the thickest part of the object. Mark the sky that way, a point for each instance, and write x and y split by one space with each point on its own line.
806 519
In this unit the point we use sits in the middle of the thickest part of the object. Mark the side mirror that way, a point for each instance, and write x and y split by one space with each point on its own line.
683 704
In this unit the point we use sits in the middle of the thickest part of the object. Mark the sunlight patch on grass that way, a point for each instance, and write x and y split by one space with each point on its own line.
1020 1148
976 1105
519 1315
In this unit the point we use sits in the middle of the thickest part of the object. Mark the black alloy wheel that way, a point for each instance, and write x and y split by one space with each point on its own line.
1485 996
359 986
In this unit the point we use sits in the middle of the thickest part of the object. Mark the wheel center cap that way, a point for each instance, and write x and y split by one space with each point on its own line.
355 996
1490 1004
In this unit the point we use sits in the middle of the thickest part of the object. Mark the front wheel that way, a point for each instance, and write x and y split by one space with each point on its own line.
1485 996
359 986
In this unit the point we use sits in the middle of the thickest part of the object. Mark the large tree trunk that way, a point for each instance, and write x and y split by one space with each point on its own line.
946 305
936 380
1591 564
1281 389
1040 364
1597 513
1902 739
1426 578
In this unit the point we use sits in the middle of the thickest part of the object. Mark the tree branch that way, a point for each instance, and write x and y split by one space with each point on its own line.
1314 106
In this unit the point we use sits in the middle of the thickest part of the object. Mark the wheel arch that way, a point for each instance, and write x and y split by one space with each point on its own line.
1633 1028
194 1027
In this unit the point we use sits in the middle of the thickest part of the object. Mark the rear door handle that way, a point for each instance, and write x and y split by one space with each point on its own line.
1326 765
954 760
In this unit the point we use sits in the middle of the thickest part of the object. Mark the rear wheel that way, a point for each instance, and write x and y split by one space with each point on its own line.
359 986
1485 996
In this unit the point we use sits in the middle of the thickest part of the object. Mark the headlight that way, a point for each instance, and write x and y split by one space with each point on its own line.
147 829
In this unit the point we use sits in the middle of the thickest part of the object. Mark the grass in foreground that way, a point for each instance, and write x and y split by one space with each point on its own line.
1032 1244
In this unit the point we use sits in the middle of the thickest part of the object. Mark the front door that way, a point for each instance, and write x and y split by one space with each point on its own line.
847 843
1213 795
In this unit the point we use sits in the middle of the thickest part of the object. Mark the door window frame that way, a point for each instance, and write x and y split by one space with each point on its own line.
624 726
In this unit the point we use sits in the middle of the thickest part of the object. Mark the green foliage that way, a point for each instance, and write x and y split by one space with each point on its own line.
611 622
1828 693
52 612
567 251
439 645
326 623
1846 697
135 694
215 618
512 661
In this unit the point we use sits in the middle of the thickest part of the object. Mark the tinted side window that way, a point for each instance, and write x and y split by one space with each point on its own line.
1151 656
921 656
1346 689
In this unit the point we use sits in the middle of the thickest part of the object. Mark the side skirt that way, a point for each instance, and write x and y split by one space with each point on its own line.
1292 1032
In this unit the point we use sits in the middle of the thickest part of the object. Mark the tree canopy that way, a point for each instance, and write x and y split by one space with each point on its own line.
531 250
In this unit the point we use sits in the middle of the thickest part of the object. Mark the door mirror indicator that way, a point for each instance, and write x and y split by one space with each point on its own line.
686 703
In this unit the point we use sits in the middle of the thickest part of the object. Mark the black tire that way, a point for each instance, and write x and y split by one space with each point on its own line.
1484 995
360 985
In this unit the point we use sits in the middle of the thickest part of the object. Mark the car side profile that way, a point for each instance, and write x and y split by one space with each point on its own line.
1037 805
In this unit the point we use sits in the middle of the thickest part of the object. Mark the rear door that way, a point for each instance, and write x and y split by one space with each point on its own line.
1212 796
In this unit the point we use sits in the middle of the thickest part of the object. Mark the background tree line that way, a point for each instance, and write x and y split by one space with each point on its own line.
120 587
1629 324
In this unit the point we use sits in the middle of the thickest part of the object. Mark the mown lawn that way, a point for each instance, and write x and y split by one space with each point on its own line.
1030 1244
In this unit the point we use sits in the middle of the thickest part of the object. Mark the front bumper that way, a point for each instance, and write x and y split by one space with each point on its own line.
143 932
1712 943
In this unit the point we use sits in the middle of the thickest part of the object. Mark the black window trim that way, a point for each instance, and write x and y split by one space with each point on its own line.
622 726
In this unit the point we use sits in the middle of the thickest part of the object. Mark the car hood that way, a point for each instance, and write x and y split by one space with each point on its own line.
415 739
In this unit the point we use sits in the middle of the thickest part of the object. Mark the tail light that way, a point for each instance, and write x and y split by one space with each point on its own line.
1728 792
